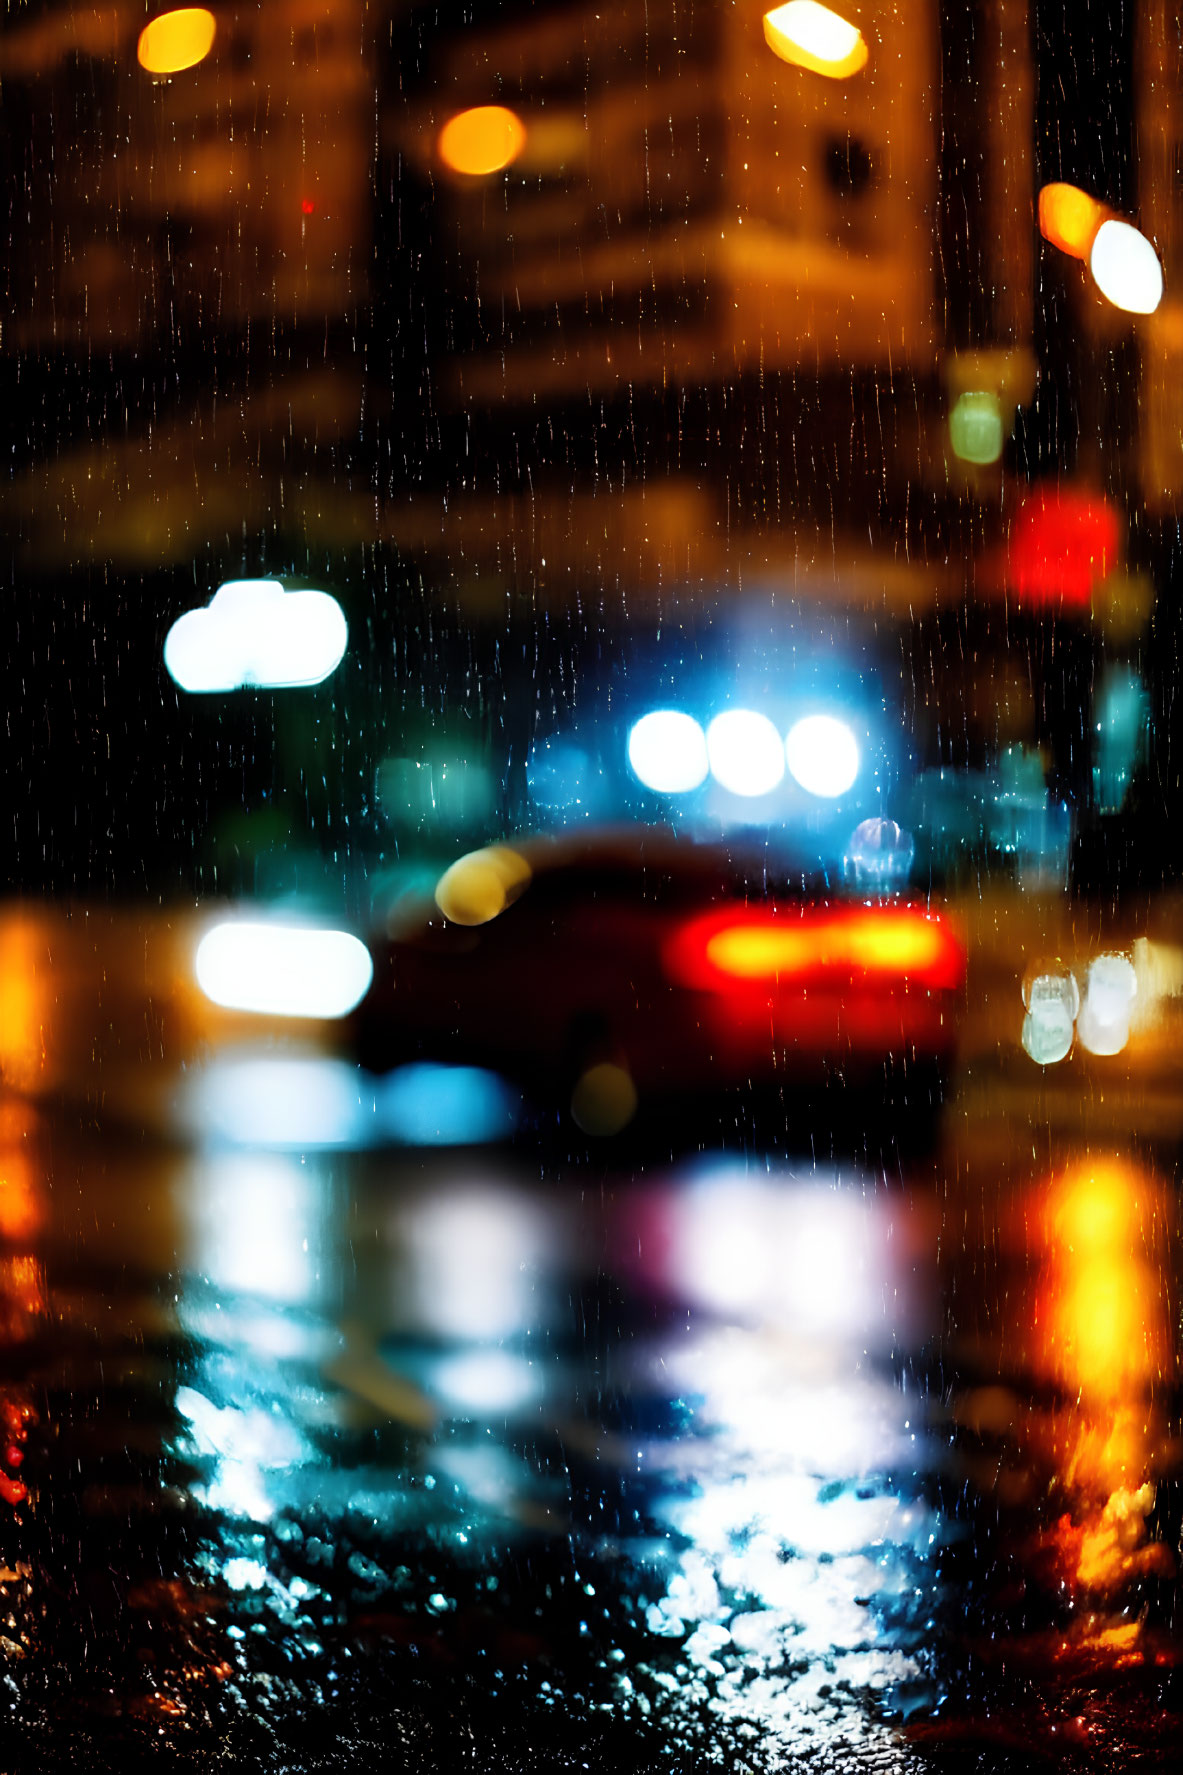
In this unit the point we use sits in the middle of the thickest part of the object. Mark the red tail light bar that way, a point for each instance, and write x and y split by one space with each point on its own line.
887 946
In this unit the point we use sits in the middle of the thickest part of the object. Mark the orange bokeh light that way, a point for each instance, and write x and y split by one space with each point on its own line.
176 40
20 1203
22 1003
1069 218
484 140
1104 1340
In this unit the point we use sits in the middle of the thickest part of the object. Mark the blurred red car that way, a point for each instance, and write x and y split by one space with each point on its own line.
668 960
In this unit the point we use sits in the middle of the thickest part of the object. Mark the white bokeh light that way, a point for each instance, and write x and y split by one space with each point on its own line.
1125 268
806 1257
1110 989
822 755
1052 999
300 1102
475 1253
1048 1034
254 634
487 1379
254 1224
283 970
668 752
745 752
809 35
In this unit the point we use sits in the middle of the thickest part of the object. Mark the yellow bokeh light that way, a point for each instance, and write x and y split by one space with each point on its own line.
1105 1318
480 886
1069 218
810 36
604 1100
1096 1210
899 944
1101 1326
761 953
176 40
482 141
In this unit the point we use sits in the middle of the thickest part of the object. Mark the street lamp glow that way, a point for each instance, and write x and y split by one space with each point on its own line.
1125 268
745 752
176 40
1069 218
822 755
811 36
481 141
668 752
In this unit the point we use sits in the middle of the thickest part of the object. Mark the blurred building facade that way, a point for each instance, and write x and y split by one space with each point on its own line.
233 190
1160 163
688 207
798 276
706 333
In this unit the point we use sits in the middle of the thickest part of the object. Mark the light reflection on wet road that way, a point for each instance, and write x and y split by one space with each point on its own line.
669 1462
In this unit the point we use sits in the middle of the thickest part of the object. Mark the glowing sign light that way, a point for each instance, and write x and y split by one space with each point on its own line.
283 970
484 140
668 752
1063 544
176 40
811 36
745 752
253 634
822 755
1125 268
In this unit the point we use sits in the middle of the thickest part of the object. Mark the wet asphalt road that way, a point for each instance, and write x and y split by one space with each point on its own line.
537 1453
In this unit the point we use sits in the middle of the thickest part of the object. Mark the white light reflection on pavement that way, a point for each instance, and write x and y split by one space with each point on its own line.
254 1236
250 1449
254 1221
471 1257
806 1570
